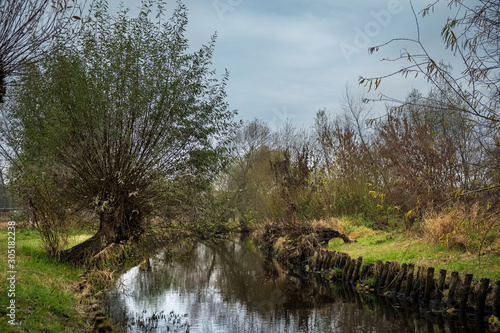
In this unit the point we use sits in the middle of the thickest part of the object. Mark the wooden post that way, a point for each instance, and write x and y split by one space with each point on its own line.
453 287
338 259
330 260
343 260
314 264
317 261
399 278
393 269
352 264
364 271
409 280
390 275
465 295
321 260
429 283
345 268
481 300
355 274
385 271
440 285
326 258
379 268
371 270
496 300
418 284
334 258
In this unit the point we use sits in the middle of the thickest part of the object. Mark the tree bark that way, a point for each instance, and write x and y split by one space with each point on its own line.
81 254
113 228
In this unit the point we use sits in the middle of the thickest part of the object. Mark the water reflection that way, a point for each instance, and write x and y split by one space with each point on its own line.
232 287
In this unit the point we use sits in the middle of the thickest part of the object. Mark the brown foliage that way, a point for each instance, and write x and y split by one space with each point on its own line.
419 163
470 227
292 180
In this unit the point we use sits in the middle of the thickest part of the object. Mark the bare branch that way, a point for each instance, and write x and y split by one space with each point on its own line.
28 28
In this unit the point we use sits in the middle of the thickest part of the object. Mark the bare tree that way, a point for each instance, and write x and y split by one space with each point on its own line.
250 137
27 28
472 33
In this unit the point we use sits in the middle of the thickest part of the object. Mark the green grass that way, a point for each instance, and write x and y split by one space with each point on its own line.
386 246
45 289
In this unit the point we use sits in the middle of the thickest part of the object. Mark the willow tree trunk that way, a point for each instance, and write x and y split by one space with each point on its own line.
113 228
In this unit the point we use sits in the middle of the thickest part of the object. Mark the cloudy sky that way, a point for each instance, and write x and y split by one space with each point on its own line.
291 58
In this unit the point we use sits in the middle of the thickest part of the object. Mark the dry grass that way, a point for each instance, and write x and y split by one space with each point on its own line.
332 223
471 228
362 232
348 226
445 229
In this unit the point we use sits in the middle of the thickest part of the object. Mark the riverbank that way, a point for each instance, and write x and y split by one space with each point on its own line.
400 266
47 296
54 297
231 286
51 296
412 248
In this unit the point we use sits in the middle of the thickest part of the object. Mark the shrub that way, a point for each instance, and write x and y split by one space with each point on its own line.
472 227
445 229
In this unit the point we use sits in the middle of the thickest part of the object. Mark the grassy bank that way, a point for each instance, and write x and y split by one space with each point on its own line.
45 290
411 247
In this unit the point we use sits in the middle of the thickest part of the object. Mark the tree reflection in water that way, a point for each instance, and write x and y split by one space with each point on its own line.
232 287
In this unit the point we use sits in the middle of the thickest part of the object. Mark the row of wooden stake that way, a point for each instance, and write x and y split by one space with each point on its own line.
458 296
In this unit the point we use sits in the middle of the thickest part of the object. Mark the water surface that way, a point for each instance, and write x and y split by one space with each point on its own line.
232 287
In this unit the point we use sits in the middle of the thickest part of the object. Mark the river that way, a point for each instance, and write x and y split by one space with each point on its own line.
230 286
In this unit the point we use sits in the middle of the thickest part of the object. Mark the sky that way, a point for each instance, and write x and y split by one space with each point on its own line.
287 59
